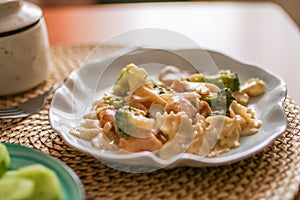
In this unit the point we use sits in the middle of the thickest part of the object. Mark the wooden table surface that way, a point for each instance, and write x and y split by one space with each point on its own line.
259 33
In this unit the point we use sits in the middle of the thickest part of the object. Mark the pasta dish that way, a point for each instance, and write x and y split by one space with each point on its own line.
177 112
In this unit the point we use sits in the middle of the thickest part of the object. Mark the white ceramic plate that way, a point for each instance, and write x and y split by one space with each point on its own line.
84 86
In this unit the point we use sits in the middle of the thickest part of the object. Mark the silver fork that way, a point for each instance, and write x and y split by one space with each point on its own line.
28 107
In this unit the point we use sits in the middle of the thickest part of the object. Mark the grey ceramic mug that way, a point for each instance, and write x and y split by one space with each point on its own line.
24 47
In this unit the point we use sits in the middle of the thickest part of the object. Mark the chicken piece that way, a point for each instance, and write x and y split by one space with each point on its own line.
105 115
135 144
202 89
171 73
179 104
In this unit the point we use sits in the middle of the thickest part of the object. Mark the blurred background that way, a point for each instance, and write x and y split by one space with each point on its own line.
292 7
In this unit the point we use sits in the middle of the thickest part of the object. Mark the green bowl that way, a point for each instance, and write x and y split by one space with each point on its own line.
23 156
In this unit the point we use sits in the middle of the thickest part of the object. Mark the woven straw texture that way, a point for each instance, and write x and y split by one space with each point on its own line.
271 174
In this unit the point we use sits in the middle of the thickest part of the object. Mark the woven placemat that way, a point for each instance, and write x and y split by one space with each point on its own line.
271 174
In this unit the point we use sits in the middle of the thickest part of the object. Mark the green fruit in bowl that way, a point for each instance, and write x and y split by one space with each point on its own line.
31 182
47 185
4 159
16 188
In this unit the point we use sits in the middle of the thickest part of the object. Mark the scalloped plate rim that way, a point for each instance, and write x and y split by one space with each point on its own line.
194 159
